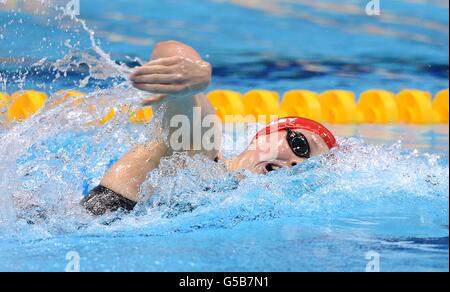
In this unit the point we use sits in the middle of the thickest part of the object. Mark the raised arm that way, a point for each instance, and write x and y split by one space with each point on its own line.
175 77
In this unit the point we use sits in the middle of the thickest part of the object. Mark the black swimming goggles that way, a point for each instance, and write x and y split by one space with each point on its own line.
298 143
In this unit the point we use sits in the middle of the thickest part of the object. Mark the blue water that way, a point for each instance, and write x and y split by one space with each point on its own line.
385 190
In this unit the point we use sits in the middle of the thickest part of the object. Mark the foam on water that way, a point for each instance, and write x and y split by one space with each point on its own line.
359 184
48 162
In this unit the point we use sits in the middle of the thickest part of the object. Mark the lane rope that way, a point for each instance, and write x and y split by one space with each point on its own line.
375 106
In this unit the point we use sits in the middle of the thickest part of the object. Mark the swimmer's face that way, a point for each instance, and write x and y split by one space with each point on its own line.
272 152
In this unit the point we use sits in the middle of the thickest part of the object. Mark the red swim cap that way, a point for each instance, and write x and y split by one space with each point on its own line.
300 124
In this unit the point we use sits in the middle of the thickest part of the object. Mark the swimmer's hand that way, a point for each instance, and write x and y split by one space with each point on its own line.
172 77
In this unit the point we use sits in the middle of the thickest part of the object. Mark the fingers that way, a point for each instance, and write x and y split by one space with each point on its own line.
166 76
159 66
153 69
166 61
158 78
164 89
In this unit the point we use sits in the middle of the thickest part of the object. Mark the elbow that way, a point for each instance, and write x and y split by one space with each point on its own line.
174 48
169 43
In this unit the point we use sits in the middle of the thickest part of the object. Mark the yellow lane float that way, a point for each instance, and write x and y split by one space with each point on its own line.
378 107
4 100
339 107
440 106
415 107
109 116
302 103
63 95
24 104
262 104
334 106
228 104
141 116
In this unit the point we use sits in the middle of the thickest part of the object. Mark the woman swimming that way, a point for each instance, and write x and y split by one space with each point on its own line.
177 75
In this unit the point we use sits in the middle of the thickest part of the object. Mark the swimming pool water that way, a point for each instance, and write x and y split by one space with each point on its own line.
275 44
386 191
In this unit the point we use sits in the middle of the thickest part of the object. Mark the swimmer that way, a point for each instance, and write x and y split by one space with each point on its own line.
177 76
